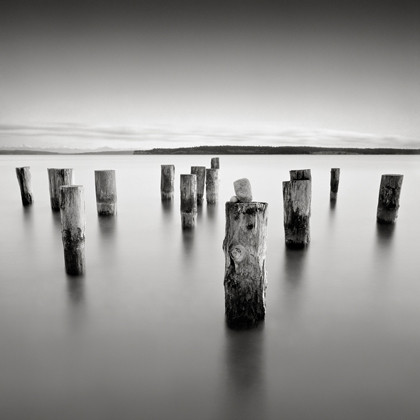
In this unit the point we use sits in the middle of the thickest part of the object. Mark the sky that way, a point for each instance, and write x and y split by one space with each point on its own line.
139 74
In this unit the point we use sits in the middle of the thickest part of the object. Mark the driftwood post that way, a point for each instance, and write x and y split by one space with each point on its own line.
214 163
24 178
58 178
335 179
167 180
245 279
73 224
106 192
200 172
188 201
212 185
296 203
389 198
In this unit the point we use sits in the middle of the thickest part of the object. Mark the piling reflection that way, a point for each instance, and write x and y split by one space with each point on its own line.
333 204
294 266
384 235
76 299
56 218
188 242
212 212
167 211
108 235
246 373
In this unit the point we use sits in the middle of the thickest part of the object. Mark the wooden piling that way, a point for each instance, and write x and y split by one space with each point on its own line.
389 198
106 192
188 201
58 178
300 175
334 181
200 172
72 206
245 280
212 185
214 163
167 180
24 178
296 204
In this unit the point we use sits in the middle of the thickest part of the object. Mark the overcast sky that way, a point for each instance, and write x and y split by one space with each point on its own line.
342 66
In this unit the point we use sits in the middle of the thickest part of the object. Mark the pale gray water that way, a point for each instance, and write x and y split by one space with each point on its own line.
142 335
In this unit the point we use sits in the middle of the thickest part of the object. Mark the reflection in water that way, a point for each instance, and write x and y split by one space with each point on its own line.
333 204
56 217
199 212
75 293
212 212
188 242
384 234
167 210
108 238
294 265
107 227
246 373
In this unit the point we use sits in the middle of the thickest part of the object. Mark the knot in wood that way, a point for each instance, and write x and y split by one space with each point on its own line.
237 253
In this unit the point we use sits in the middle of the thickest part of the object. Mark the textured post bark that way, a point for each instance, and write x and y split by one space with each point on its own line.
73 224
24 178
212 185
245 280
200 172
389 198
214 163
106 192
296 202
335 179
58 178
188 201
167 180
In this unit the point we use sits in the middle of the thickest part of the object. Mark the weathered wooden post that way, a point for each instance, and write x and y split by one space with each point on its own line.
58 178
389 198
24 178
106 192
214 163
212 185
300 175
335 179
188 201
72 206
200 172
296 203
167 180
245 280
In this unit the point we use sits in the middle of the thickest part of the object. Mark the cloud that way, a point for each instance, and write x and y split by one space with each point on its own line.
67 137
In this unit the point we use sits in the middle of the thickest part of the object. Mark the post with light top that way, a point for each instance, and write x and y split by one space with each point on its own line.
57 178
106 192
188 201
167 180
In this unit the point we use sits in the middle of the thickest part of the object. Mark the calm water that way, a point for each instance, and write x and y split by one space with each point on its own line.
142 335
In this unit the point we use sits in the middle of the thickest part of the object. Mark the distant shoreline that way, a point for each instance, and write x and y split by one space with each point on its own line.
232 150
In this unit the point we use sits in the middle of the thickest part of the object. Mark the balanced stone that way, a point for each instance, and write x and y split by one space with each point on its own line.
243 190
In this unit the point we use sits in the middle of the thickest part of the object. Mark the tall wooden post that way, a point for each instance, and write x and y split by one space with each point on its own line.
335 179
245 280
73 224
24 178
214 163
200 172
188 201
167 180
212 185
389 198
296 202
58 178
106 192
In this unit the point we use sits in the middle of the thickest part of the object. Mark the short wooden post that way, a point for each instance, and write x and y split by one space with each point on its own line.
296 203
106 192
300 175
24 178
58 178
214 163
245 280
335 179
167 180
200 172
212 185
188 201
73 224
389 198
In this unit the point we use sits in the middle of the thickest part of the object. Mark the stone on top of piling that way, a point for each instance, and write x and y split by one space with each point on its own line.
243 190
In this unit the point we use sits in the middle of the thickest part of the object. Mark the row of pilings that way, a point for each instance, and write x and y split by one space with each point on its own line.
244 245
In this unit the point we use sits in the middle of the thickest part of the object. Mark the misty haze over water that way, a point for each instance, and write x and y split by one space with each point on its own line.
143 335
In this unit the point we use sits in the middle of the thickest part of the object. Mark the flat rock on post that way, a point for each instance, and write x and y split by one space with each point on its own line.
243 190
